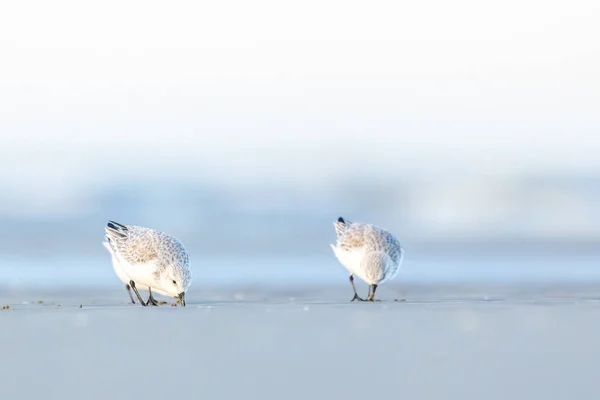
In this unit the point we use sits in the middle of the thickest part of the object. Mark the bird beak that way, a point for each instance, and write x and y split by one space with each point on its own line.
181 298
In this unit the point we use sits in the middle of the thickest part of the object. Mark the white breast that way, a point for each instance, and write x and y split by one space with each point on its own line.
374 268
141 274
120 270
351 259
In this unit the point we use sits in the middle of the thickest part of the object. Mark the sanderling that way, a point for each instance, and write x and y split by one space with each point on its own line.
147 258
371 253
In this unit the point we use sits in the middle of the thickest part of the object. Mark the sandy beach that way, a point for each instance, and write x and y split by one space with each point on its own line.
443 342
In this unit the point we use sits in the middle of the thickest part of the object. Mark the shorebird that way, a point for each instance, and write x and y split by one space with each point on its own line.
144 258
371 253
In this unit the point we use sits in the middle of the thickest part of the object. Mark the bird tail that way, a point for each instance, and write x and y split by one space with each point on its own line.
341 225
115 230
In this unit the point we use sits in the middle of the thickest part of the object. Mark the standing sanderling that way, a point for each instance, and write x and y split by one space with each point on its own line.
371 253
147 258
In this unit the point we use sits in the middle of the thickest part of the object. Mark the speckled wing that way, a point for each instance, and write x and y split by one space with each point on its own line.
135 244
391 245
353 237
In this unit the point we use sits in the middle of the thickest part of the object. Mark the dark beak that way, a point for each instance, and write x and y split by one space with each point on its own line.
181 298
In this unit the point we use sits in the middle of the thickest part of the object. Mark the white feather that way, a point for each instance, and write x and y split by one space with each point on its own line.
118 267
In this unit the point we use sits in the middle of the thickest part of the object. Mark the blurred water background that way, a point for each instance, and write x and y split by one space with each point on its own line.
479 151
265 231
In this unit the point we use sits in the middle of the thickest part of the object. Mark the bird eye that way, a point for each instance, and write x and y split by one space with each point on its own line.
174 282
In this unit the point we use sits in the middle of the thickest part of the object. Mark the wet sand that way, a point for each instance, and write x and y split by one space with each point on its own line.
264 343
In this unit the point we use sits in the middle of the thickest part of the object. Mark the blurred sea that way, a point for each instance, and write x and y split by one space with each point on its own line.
523 229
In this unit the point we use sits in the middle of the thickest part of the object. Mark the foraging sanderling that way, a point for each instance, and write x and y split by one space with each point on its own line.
148 259
371 253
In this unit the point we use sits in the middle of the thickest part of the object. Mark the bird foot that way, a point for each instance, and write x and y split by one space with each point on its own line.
152 302
356 297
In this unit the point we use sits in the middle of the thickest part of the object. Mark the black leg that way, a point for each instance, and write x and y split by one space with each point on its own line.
129 291
356 296
372 290
151 300
132 284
